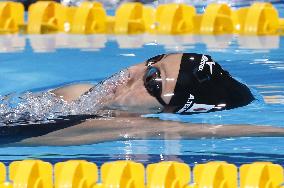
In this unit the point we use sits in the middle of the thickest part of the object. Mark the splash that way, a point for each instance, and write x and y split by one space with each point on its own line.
45 106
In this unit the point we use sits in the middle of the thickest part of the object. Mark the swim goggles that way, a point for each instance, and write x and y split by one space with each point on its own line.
152 79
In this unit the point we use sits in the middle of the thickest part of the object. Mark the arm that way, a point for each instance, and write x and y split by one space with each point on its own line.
99 130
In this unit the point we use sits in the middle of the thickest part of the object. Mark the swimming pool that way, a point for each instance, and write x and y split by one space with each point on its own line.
38 62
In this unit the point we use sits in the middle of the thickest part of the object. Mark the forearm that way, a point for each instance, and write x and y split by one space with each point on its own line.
98 130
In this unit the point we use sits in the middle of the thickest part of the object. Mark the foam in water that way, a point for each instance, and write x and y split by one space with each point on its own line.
45 106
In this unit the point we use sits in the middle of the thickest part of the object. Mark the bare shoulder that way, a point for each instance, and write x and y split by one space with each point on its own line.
119 128
72 92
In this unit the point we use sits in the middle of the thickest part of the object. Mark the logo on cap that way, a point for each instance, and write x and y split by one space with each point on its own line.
204 60
187 105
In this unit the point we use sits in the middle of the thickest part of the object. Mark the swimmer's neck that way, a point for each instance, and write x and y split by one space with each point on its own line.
120 113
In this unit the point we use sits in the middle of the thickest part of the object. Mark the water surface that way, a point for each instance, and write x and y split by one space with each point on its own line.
39 62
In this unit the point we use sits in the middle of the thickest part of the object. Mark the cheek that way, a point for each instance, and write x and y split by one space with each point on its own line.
136 96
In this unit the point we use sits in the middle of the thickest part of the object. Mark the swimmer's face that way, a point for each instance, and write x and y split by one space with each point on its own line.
134 97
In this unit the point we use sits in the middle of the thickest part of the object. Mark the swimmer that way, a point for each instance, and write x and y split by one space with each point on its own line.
184 84
174 83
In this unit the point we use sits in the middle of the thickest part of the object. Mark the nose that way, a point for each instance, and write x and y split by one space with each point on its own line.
136 74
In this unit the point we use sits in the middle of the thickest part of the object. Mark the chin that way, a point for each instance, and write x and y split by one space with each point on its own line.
134 108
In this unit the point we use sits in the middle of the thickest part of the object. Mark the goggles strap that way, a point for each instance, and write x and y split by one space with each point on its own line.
161 101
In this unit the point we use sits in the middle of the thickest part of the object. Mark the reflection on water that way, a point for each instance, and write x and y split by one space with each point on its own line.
275 99
43 43
83 42
257 61
272 94
217 42
12 43
256 42
49 43
52 42
233 150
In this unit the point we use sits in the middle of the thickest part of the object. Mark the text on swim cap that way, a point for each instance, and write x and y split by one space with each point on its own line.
204 60
190 106
187 105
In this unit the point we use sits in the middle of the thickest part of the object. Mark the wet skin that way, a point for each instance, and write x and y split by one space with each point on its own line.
133 95
130 101
126 128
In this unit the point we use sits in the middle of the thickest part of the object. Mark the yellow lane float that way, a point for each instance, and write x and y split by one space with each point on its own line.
2 174
215 174
174 19
75 174
126 174
259 19
216 20
171 174
281 26
135 18
261 174
43 17
129 19
149 19
30 173
129 174
11 16
89 18
65 16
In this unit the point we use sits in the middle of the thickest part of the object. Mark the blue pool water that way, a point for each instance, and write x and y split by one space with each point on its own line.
44 61
38 62
48 61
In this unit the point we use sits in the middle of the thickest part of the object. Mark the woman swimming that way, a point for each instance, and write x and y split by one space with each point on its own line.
174 83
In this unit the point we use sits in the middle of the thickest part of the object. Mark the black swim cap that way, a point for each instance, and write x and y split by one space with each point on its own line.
203 86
